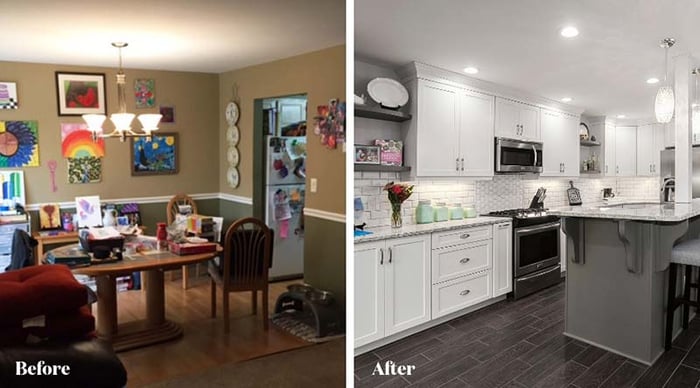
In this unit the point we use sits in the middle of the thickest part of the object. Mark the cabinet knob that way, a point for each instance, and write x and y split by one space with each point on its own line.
465 260
465 292
464 235
457 164
462 164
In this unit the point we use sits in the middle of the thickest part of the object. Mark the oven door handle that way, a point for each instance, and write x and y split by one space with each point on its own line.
526 278
552 225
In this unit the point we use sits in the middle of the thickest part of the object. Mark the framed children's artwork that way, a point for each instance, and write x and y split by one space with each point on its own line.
145 93
88 211
168 113
155 157
8 95
366 154
12 185
49 216
80 93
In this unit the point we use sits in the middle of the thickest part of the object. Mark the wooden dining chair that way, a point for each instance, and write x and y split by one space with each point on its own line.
173 210
244 265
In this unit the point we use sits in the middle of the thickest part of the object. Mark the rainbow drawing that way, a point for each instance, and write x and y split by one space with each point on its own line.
76 142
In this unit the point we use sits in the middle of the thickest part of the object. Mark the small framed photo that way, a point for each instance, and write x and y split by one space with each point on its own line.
80 93
168 113
8 95
366 154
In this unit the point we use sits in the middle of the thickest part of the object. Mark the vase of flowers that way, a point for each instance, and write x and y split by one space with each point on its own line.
397 193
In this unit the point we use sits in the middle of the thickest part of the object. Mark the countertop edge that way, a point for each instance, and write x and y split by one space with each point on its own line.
414 230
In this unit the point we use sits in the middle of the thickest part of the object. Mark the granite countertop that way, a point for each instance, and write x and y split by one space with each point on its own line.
412 230
646 211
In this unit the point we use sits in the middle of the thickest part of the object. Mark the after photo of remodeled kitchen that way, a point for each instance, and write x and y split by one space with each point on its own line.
525 184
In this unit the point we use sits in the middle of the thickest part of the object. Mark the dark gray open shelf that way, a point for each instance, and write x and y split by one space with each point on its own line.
381 168
375 112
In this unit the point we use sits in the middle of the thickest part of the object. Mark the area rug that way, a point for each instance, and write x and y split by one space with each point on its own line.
300 326
321 365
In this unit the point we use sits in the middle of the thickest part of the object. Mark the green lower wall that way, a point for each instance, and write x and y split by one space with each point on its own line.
324 255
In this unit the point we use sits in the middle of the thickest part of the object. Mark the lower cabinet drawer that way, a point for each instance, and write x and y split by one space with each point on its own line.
460 293
450 263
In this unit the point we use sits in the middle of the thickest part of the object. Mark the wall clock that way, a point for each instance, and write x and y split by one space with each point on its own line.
232 177
232 113
233 135
233 156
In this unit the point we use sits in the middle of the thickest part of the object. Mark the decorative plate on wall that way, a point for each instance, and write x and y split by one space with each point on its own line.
233 156
387 92
232 113
232 177
233 135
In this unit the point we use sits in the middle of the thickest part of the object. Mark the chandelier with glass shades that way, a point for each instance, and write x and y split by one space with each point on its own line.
122 119
665 99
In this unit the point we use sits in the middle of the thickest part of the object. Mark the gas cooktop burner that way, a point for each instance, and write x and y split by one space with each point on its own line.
520 213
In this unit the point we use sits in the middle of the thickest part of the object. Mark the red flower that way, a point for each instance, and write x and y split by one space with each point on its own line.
397 189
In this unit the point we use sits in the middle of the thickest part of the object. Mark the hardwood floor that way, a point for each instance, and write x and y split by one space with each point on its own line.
204 344
520 344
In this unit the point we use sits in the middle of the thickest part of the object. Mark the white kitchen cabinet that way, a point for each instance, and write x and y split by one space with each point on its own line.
625 150
560 138
610 163
454 133
476 136
437 146
502 258
392 287
369 292
516 120
650 142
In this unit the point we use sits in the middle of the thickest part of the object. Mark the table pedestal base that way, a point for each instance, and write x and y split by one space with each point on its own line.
137 334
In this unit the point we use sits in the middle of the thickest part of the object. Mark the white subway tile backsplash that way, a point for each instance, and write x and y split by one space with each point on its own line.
502 192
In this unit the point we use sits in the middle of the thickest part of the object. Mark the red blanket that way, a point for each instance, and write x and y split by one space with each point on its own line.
39 290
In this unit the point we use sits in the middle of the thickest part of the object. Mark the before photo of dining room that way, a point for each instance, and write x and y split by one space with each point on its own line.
166 218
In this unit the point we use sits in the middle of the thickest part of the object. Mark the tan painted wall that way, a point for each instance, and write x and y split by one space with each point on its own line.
194 96
321 75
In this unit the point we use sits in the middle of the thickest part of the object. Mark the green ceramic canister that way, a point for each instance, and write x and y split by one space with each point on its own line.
424 212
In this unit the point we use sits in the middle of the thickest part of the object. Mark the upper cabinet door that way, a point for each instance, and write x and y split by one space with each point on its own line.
476 131
516 120
553 143
529 122
438 132
610 166
645 143
658 146
626 151
507 118
572 145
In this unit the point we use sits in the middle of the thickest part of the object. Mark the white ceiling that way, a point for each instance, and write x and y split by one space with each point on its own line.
517 43
186 35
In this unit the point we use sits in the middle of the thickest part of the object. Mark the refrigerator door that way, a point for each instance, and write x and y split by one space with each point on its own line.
668 168
284 216
286 160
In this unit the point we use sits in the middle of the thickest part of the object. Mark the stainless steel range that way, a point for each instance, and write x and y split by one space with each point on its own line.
536 247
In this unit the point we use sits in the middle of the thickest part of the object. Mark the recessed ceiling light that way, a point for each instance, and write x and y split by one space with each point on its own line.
471 70
621 116
569 32
566 99
653 80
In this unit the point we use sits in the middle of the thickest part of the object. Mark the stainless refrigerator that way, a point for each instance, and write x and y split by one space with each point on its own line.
285 194
668 169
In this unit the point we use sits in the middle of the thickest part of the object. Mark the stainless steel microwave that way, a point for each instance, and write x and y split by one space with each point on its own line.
513 156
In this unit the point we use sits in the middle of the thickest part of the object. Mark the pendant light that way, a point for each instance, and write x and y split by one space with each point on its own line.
665 99
122 119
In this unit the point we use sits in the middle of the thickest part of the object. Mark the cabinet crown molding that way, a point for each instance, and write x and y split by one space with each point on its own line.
418 70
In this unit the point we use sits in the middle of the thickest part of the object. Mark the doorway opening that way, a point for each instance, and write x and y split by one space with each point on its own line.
279 183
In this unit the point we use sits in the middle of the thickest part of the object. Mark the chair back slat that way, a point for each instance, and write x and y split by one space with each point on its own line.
247 253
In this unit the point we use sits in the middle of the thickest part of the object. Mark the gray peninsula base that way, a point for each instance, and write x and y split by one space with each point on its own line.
616 283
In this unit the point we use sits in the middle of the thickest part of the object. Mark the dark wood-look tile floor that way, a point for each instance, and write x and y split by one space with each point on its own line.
520 344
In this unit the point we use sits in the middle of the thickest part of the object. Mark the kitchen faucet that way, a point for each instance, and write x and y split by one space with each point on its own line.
668 188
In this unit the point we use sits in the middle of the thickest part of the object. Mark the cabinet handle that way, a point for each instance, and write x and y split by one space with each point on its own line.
464 235
465 292
617 169
503 226
462 164
465 260
390 254
381 256
457 164
650 168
